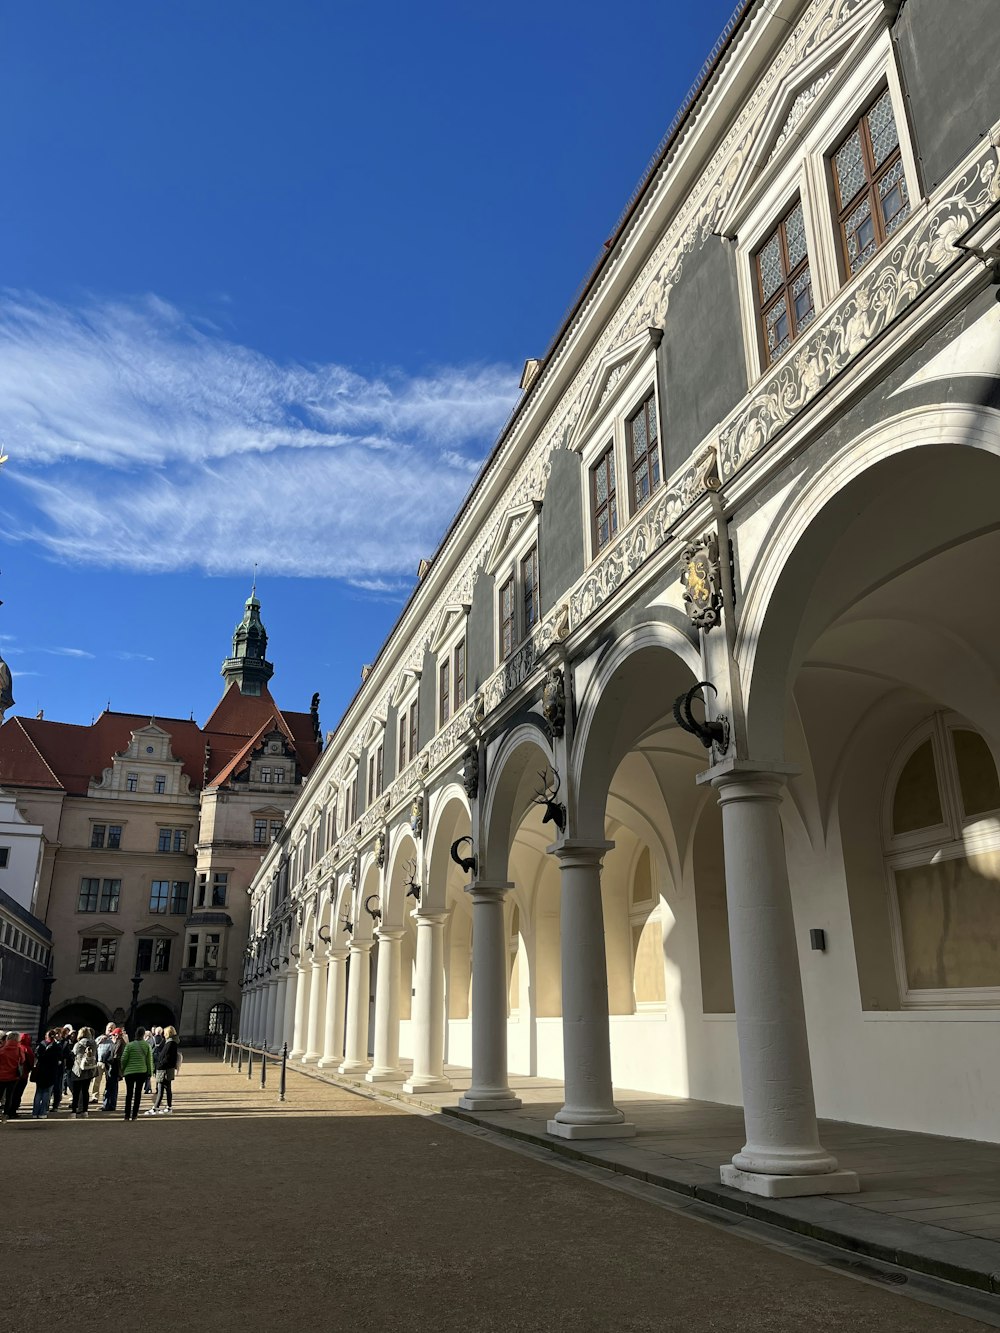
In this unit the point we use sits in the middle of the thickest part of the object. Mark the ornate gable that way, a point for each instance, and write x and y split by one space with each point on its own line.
612 369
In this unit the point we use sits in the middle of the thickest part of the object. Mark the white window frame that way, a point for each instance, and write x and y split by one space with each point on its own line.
957 836
506 564
454 628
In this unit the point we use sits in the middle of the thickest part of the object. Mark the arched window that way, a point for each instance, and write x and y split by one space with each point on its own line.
220 1019
514 961
646 923
941 829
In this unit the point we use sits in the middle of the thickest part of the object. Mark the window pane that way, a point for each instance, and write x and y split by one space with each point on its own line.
159 894
460 674
89 890
893 198
977 773
161 956
882 128
795 236
778 328
601 482
860 232
916 803
638 432
88 954
114 835
144 956
772 273
163 843
180 839
179 896
950 917
97 835
850 168
110 892
802 299
107 952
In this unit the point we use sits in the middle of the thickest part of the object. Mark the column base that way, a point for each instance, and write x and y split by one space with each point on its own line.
487 1101
353 1067
329 1062
789 1187
311 1057
383 1076
296 1055
426 1083
612 1129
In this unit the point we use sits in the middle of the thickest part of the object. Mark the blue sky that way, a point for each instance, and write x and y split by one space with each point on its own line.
268 276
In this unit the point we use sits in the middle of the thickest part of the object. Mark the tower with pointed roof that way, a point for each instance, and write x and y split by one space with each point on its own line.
247 666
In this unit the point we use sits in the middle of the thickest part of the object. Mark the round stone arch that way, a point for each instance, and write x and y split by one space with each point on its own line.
450 818
343 900
631 689
512 783
913 486
369 882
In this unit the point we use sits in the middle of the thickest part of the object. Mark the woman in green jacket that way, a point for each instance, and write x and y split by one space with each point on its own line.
137 1067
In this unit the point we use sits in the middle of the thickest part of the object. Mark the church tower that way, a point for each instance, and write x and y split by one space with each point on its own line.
247 665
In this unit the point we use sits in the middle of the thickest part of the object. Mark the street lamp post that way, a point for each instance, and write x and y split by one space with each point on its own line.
130 1021
48 981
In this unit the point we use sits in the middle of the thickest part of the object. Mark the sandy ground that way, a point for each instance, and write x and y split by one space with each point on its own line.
335 1212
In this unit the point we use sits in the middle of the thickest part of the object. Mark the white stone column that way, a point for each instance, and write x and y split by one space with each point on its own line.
246 1014
291 988
302 971
356 1039
255 1015
490 1090
278 1025
385 1064
317 1006
589 1110
272 1005
782 1155
336 1002
428 1006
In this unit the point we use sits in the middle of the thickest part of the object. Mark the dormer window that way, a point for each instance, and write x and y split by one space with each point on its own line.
160 784
513 562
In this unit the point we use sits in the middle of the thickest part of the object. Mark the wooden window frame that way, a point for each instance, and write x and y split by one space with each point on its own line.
444 690
460 658
507 622
785 290
530 601
413 729
606 458
873 175
647 409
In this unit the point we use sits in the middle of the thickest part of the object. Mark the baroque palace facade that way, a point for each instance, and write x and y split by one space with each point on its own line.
679 768
148 831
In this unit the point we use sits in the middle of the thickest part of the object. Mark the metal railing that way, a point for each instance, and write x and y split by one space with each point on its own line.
232 1052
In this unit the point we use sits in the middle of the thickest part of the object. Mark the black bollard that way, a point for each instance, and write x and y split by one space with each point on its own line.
281 1081
250 1061
239 1059
263 1068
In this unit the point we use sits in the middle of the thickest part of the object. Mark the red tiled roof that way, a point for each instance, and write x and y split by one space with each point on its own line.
62 755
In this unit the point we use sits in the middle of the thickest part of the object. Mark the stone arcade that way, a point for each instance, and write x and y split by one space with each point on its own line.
761 453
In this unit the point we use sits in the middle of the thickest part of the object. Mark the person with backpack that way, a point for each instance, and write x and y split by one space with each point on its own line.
104 1042
84 1065
113 1066
166 1058
137 1068
47 1073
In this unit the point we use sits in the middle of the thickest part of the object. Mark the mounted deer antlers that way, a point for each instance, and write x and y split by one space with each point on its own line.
711 733
555 811
413 888
468 863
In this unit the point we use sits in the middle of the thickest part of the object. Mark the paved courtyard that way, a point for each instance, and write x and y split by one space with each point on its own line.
335 1211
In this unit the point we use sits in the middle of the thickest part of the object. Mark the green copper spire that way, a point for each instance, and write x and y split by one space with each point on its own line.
248 665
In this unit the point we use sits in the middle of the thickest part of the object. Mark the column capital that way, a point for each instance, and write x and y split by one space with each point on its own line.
734 770
338 952
319 961
431 917
391 932
362 946
579 851
488 890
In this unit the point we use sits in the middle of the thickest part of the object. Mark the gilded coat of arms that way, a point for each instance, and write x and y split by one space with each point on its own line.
701 580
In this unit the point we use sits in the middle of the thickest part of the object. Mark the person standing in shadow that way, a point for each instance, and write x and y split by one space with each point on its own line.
137 1068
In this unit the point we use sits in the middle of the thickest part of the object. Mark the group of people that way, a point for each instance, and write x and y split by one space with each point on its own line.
78 1064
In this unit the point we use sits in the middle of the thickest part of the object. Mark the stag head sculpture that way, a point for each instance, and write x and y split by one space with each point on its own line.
555 811
468 863
412 887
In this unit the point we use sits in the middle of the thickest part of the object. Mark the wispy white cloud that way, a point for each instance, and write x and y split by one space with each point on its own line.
66 652
139 440
133 657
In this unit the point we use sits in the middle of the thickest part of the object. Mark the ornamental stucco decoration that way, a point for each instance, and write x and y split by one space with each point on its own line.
902 271
554 702
380 850
700 576
417 817
470 772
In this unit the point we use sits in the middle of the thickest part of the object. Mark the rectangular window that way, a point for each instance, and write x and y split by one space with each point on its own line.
179 897
180 839
132 782
506 620
220 887
89 893
529 589
161 956
212 950
97 833
4 857
260 830
265 775
159 784
275 828
279 775
97 954
642 442
872 199
163 840
413 729
144 955
371 778
378 771
202 890
604 501
114 835
192 951
110 893
784 285
159 895
460 673
444 691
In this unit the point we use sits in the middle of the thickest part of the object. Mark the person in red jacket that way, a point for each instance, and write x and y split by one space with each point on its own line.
10 1073
27 1065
